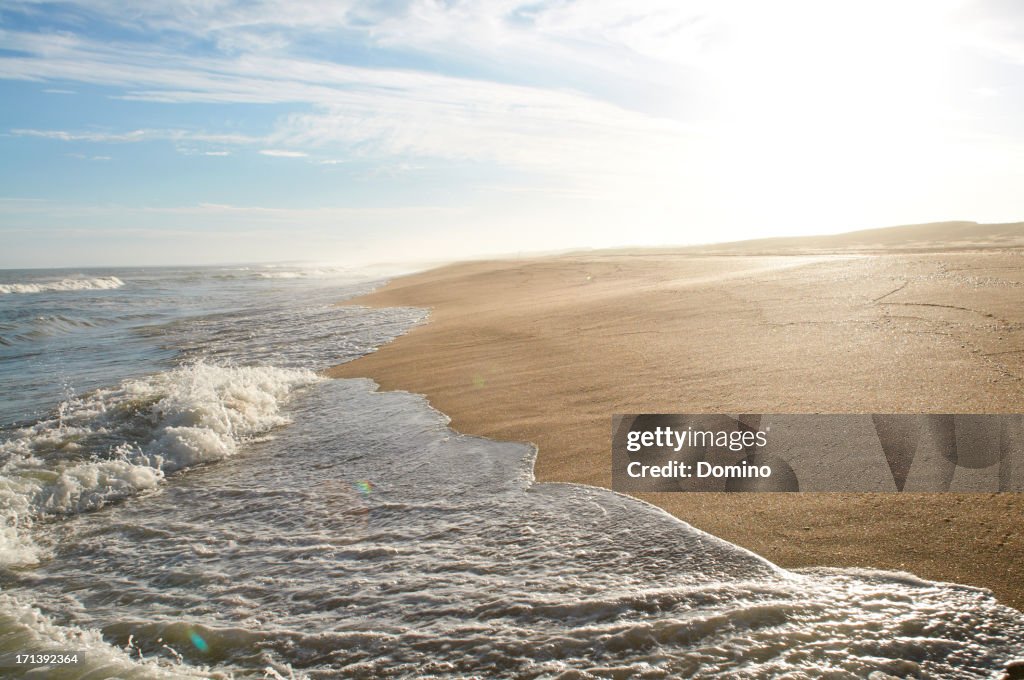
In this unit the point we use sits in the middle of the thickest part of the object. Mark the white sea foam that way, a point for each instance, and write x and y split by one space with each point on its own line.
100 283
306 274
454 564
25 630
282 275
115 443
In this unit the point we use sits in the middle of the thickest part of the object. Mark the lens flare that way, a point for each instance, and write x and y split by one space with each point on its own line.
198 641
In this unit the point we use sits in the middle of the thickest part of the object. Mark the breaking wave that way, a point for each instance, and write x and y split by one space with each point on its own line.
118 442
100 283
26 630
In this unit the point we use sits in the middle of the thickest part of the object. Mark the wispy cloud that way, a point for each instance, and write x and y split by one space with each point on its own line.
695 112
367 112
132 136
521 29
283 153
66 136
84 157
373 112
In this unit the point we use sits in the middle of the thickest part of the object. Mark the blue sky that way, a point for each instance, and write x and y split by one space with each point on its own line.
200 131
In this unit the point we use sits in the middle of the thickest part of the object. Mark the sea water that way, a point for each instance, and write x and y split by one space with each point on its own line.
183 495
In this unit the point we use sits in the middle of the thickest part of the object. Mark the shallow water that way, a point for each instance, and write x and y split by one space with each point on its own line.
217 519
64 334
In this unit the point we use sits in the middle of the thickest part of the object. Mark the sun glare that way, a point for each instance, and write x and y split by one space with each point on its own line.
823 114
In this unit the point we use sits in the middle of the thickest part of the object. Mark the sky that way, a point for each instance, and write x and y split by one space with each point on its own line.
216 131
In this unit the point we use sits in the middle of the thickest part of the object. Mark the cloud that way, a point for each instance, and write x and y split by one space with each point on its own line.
83 157
369 113
516 28
992 28
66 136
660 103
555 133
132 136
283 153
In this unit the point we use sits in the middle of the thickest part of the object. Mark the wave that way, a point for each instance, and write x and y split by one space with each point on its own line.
26 630
118 442
100 283
283 275
247 273
38 327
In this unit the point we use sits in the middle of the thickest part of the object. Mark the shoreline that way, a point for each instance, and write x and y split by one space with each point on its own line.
545 350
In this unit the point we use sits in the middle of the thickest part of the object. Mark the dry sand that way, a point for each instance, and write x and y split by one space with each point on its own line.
546 350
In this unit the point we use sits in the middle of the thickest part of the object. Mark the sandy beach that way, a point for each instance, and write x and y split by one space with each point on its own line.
545 350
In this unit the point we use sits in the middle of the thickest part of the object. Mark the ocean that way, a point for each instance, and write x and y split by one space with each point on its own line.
182 494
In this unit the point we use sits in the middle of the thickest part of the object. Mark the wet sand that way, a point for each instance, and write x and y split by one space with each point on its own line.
547 349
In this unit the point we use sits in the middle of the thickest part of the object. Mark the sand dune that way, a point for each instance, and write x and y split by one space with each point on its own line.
929 237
